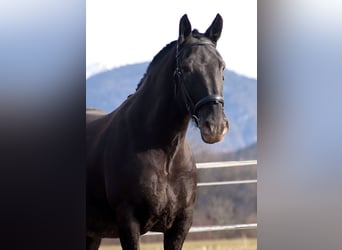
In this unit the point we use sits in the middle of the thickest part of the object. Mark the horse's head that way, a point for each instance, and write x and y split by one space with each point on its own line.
199 75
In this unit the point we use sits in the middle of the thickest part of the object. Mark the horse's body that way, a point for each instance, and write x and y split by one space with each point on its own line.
141 175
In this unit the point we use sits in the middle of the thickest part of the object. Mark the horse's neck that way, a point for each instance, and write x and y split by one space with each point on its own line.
164 116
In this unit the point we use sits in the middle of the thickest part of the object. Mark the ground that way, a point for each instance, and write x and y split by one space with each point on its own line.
231 244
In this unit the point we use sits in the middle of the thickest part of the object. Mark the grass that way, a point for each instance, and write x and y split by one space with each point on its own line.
231 244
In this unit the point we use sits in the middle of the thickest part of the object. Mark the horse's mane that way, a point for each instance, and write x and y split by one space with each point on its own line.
195 33
155 60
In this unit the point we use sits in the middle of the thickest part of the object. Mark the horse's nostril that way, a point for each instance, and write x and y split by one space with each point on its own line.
209 126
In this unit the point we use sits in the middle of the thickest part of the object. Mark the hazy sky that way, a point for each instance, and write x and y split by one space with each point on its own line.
126 32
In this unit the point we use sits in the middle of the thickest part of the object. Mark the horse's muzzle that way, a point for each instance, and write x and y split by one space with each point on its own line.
213 130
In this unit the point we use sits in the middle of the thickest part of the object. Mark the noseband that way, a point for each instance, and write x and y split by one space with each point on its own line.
192 107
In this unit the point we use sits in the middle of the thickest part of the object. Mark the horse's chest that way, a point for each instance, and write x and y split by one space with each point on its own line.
162 209
164 200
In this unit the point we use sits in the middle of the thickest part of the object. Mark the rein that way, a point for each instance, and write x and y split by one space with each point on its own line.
192 107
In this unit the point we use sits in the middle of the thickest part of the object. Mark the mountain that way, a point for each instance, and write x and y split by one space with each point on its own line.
94 68
108 89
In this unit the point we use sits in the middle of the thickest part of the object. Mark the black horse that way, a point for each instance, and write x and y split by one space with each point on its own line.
141 175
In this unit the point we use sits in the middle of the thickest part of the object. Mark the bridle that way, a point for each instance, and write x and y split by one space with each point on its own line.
192 107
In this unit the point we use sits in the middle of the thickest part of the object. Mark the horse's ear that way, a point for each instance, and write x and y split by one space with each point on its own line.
184 29
215 29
